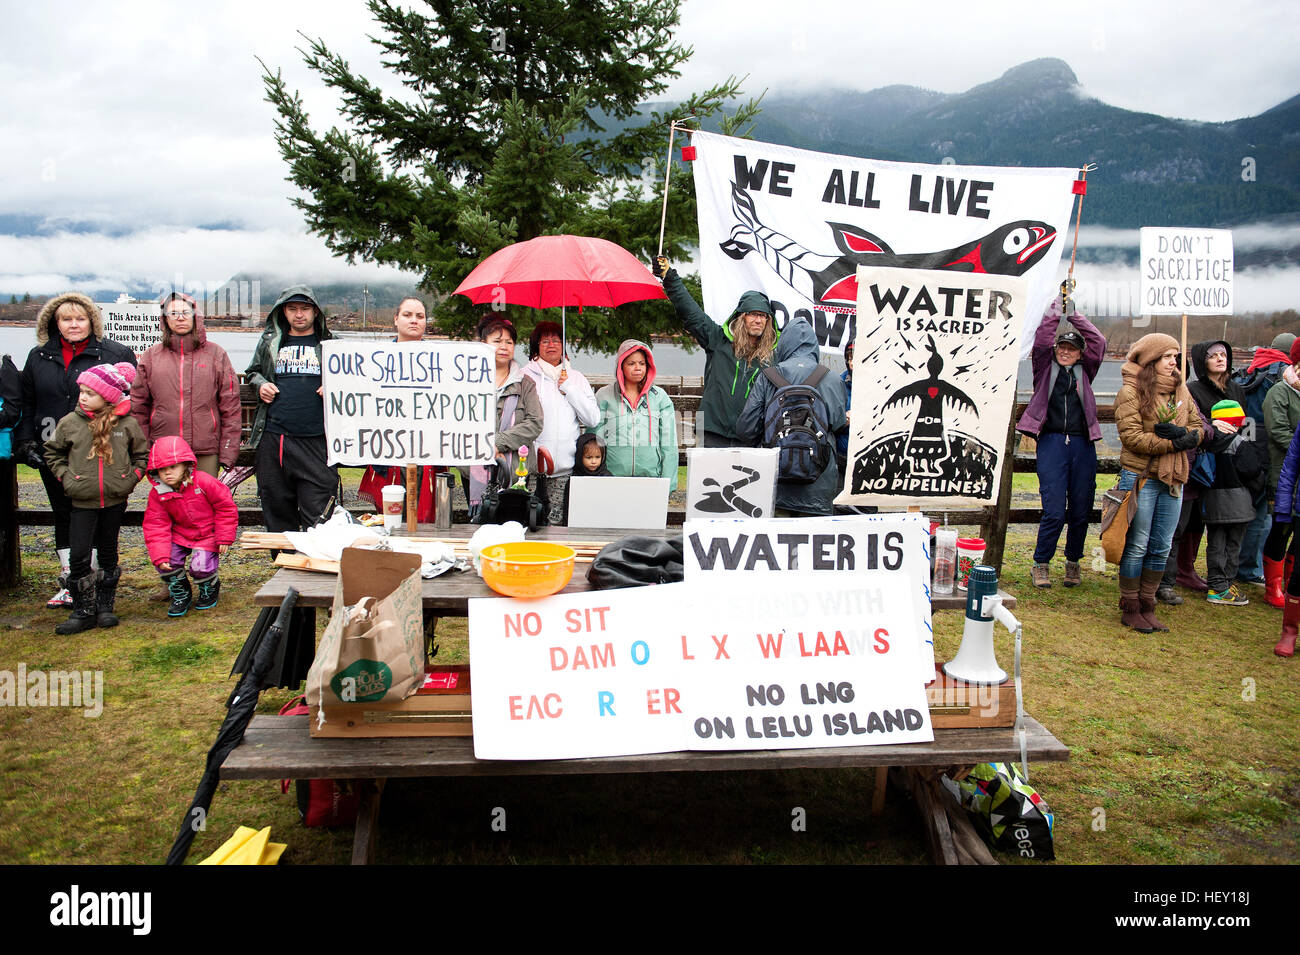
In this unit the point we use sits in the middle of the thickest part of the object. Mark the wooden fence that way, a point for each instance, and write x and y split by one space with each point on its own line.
685 393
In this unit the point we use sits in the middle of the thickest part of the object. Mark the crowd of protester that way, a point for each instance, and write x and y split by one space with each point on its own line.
1216 458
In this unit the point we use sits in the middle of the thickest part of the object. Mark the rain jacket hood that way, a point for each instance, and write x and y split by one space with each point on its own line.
798 341
168 451
1196 357
275 317
177 342
751 301
627 348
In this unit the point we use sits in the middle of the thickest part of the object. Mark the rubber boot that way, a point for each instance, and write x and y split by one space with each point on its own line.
178 585
1131 606
63 598
1274 586
1150 582
1187 575
83 606
105 595
209 589
1290 626
1288 567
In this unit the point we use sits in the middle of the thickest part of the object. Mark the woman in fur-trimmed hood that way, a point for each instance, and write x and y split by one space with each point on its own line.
187 387
70 340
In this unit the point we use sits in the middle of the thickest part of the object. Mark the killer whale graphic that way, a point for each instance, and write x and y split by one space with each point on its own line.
927 446
831 281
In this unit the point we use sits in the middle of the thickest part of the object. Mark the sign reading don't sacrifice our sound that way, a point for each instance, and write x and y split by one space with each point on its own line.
409 403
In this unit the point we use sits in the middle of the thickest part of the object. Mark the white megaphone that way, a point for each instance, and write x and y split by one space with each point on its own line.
975 661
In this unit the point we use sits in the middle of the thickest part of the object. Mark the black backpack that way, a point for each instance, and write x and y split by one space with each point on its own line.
795 422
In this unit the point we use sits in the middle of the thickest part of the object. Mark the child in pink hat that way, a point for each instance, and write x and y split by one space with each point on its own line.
98 453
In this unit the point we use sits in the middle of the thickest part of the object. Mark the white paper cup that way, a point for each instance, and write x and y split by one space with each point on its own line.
394 498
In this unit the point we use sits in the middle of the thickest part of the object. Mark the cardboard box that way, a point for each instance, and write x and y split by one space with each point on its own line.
956 704
436 709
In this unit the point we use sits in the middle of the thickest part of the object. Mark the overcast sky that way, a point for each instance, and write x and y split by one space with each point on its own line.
143 119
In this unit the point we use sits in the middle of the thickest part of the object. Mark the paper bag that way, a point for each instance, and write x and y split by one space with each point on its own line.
373 647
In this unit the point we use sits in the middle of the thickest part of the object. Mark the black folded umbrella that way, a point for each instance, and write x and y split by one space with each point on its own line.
239 710
295 651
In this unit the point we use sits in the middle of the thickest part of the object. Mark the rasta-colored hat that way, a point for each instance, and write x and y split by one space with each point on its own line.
1229 412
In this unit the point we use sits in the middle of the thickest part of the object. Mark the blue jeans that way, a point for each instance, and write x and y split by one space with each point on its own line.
1252 545
1152 528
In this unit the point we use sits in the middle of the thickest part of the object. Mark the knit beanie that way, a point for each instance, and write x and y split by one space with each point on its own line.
1150 347
1295 351
110 382
1228 411
1283 342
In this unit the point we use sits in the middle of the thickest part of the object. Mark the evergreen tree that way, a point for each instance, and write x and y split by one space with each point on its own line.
13 299
521 119
27 297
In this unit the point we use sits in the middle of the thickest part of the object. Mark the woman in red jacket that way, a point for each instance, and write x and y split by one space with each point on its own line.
186 387
191 517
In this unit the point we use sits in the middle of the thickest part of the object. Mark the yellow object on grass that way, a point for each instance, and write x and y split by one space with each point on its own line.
247 847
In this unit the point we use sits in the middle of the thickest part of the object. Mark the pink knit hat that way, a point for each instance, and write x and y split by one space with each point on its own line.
110 382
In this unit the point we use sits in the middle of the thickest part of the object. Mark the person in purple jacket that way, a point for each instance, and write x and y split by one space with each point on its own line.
1062 418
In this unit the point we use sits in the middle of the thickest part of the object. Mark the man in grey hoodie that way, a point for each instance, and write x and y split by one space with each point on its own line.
297 487
797 357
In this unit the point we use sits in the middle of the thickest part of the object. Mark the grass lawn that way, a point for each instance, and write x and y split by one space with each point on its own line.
1182 747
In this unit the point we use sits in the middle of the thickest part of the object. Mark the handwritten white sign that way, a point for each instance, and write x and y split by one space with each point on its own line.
1186 271
804 661
409 403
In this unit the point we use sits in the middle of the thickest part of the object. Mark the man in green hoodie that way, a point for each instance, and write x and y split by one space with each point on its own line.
735 353
298 489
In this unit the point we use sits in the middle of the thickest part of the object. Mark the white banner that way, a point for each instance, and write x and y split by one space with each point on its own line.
934 385
897 544
133 324
807 661
735 482
1186 271
796 225
409 403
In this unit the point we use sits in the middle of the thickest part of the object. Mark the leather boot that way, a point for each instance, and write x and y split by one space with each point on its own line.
1130 605
1274 586
178 585
1290 627
1187 575
209 589
83 606
1150 582
105 595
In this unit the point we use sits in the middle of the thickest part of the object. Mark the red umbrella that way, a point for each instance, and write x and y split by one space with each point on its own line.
553 270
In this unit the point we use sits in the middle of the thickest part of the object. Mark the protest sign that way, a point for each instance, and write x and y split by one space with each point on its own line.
898 544
934 384
737 482
804 661
133 324
409 403
1186 271
796 225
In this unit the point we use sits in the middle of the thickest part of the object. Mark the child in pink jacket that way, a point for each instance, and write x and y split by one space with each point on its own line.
191 515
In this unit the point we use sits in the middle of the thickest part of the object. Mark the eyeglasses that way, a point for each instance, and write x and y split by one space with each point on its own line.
179 314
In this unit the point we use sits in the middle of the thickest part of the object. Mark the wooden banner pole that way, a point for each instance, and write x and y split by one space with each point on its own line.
1184 346
412 497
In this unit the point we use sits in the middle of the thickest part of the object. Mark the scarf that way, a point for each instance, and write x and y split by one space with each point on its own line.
1172 466
550 371
1290 377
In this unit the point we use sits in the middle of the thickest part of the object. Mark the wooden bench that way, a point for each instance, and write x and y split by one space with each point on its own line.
279 747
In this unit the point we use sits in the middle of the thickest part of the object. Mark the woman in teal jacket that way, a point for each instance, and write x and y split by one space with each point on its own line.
637 420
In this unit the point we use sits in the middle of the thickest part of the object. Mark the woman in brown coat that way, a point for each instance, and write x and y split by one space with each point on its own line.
1158 423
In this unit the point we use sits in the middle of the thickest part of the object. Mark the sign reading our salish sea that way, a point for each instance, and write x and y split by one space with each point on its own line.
934 384
409 403
1186 271
731 662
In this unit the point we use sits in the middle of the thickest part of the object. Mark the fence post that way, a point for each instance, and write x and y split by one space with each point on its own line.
996 542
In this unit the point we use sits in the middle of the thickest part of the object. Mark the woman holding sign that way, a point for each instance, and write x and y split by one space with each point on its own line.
1158 423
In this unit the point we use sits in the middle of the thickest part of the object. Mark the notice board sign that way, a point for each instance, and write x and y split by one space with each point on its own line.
801 662
133 324
934 385
409 403
1185 271
896 544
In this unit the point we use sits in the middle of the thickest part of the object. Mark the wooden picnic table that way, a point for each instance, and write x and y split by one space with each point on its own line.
277 747
451 592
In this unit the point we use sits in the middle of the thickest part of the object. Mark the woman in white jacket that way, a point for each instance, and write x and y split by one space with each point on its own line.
568 407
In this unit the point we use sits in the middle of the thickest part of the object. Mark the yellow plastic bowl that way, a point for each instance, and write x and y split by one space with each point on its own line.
527 568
